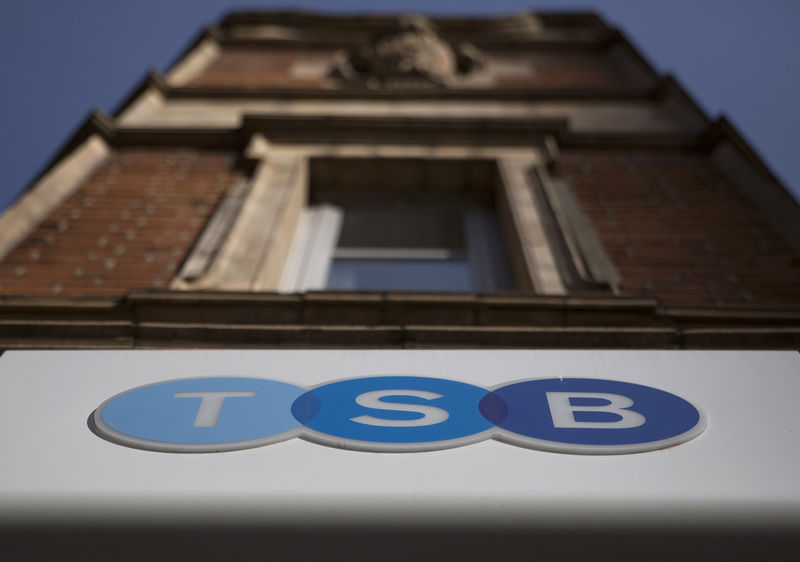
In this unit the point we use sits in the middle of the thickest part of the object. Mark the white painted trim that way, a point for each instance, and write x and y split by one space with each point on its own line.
291 269
312 250
50 191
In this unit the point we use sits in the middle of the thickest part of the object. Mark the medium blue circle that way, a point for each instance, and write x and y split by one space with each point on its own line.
523 408
330 409
159 413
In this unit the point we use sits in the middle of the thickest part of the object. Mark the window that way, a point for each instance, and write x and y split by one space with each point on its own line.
396 247
374 234
474 219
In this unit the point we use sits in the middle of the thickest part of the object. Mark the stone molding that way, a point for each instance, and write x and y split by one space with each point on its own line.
302 28
525 215
583 260
384 320
195 61
253 255
249 257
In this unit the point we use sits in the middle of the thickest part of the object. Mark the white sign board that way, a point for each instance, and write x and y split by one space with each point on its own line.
741 472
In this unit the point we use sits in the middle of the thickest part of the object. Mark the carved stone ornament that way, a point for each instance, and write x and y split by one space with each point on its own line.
412 55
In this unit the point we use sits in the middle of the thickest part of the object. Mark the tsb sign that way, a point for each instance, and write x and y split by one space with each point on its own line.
398 414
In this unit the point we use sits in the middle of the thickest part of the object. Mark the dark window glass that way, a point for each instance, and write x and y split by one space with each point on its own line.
400 275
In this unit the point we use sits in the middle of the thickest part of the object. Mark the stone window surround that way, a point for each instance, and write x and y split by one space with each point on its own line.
259 238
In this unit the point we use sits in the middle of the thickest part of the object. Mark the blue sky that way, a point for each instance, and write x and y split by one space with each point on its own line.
59 59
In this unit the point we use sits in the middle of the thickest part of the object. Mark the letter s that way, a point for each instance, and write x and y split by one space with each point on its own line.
431 415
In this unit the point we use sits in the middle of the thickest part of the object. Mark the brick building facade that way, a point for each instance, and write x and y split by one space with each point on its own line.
331 192
626 217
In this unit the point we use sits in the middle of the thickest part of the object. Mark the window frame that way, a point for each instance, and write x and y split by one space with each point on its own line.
314 249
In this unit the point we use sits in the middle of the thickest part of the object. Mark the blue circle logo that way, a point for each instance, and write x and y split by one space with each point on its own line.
590 416
398 414
200 415
393 413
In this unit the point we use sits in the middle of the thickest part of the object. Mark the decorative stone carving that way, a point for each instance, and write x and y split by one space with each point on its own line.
411 55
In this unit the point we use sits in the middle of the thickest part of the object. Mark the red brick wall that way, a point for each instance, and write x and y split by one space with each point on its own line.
249 67
128 227
677 229
561 70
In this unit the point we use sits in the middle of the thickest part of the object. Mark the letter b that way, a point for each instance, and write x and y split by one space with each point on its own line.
563 412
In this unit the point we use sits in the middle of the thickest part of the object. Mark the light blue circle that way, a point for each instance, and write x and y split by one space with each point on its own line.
332 410
182 415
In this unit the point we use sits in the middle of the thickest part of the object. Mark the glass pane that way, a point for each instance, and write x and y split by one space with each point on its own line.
402 226
400 275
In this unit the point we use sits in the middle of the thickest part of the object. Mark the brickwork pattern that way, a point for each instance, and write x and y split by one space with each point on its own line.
558 71
128 227
252 67
676 229
247 67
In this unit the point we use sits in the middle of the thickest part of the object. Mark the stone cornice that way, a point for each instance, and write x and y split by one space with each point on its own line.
384 320
395 129
97 122
546 26
354 92
153 80
550 18
340 129
722 130
596 43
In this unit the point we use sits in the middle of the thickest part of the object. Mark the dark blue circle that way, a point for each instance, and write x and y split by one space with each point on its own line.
523 409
